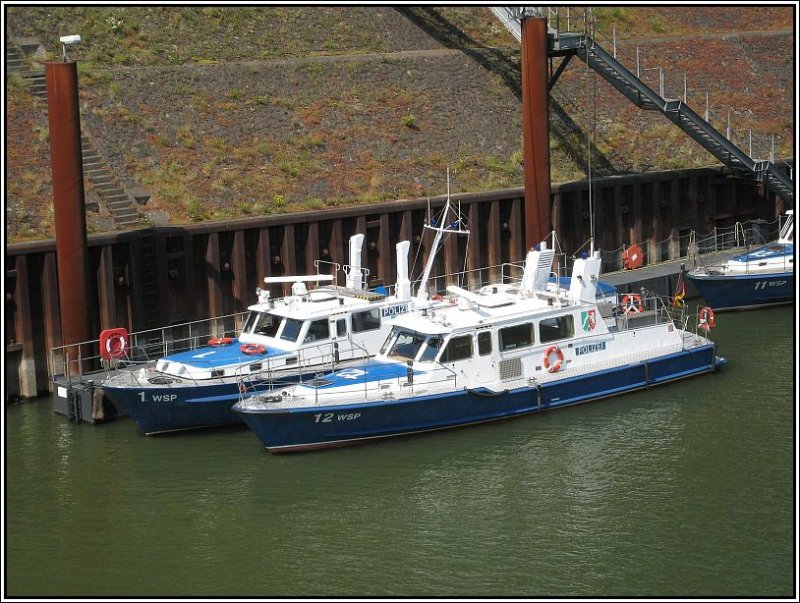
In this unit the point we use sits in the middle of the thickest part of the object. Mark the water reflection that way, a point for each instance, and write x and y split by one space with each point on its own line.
680 490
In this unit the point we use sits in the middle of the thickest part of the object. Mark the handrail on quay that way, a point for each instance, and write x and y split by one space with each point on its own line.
174 275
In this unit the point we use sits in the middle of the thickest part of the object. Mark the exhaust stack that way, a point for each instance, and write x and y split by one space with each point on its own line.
355 276
403 288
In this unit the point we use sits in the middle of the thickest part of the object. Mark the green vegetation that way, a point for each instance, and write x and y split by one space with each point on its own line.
657 25
226 112
175 35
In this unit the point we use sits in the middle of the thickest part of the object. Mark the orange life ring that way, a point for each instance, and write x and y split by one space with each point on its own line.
113 343
632 257
706 319
252 348
555 366
220 341
632 304
436 297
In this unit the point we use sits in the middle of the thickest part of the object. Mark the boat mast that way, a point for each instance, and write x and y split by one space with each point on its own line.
441 227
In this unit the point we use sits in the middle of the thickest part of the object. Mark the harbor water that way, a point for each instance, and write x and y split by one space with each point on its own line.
683 490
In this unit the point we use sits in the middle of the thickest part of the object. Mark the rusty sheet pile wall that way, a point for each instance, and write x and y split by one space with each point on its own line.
163 276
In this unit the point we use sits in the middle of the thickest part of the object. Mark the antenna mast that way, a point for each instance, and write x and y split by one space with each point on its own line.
441 227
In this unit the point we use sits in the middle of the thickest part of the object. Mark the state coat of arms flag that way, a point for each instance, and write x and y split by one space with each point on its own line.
589 320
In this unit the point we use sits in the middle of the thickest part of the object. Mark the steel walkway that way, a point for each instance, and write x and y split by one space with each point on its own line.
634 89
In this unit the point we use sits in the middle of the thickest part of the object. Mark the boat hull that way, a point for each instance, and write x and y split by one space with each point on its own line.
741 292
169 409
296 429
159 410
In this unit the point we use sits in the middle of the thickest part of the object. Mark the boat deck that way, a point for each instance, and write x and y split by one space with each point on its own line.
662 278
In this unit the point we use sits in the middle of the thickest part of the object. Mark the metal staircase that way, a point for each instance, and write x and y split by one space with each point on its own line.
639 93
685 118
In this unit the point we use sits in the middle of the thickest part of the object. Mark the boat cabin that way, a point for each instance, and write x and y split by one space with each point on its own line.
310 327
291 332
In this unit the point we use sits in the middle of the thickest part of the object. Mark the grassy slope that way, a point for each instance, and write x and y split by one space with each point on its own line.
230 112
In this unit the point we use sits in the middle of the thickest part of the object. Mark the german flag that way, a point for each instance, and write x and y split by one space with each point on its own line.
680 289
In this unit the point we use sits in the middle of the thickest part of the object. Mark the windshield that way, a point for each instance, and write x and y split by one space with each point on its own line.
431 349
406 345
787 232
262 323
389 340
291 329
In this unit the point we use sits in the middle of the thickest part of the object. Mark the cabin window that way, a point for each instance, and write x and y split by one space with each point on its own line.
291 329
341 327
515 337
389 340
458 348
262 323
368 320
317 330
407 345
485 343
432 347
558 327
252 317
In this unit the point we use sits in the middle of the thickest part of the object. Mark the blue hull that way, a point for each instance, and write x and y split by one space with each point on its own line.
746 291
158 410
286 430
165 409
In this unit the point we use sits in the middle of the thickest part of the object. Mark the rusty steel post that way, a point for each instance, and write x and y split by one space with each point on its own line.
69 202
535 130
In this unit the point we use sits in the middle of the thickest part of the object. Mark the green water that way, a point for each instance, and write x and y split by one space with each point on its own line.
686 489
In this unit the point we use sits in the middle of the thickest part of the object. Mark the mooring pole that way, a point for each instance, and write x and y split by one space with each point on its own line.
535 130
70 205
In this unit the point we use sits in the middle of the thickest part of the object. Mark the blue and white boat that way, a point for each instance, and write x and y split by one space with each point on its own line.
281 340
758 278
503 351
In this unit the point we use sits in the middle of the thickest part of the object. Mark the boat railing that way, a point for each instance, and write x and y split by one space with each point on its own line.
677 314
439 379
326 267
680 316
474 278
255 373
782 263
655 310
638 310
446 380
693 245
696 320
73 361
307 363
723 239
